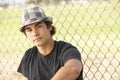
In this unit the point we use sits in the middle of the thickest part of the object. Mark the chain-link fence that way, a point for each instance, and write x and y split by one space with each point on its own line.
92 26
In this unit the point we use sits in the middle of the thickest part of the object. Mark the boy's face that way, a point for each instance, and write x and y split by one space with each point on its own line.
38 33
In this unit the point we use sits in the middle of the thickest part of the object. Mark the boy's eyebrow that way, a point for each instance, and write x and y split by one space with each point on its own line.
37 23
26 27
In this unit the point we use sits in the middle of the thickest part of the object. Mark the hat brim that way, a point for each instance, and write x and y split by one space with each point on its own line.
49 19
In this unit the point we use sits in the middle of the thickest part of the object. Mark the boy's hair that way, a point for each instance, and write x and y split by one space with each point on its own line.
53 31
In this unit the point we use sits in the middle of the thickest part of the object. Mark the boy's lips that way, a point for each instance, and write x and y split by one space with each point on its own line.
37 39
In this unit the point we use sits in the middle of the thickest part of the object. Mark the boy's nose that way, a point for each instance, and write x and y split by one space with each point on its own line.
35 32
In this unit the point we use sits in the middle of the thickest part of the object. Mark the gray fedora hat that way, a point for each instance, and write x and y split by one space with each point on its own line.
33 15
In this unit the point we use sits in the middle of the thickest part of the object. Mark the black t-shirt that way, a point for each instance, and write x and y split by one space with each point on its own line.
35 66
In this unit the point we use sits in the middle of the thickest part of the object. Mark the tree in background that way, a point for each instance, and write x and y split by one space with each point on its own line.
33 1
45 1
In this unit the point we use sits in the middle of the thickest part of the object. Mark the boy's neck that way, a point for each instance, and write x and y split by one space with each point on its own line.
46 49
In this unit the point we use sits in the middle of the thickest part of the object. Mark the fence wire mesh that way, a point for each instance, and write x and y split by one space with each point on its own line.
92 26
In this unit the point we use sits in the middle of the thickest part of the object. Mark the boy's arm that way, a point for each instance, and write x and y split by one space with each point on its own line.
70 71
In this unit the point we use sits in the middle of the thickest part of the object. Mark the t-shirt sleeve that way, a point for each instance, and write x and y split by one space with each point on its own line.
71 53
23 68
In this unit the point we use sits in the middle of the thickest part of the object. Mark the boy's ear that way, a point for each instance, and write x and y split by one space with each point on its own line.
50 28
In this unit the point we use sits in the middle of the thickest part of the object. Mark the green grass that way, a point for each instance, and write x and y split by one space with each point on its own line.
70 20
92 17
